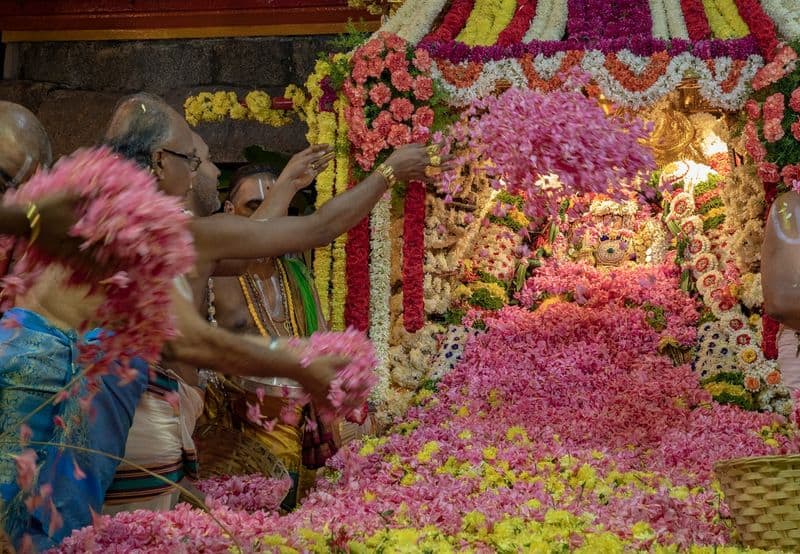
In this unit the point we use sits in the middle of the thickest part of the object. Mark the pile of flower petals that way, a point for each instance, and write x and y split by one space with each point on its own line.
244 492
529 135
640 285
562 429
131 226
350 389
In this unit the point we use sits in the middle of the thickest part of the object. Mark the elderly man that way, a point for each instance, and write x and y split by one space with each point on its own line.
38 342
145 129
24 148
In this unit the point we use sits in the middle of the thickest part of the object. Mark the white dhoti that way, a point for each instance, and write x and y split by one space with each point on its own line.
160 441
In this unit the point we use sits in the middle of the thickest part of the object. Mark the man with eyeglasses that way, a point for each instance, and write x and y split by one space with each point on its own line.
170 154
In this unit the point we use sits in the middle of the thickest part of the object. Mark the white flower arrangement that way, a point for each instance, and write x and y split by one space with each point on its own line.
380 292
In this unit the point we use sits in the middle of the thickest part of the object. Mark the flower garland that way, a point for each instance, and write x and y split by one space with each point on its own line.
538 125
519 24
135 229
452 23
724 19
727 346
676 23
658 11
413 257
380 290
696 22
772 131
486 21
325 181
784 15
390 79
726 86
414 19
339 273
216 106
760 25
550 21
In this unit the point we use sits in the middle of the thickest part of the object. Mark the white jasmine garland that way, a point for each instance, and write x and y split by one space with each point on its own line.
710 87
787 16
557 21
548 66
635 63
413 20
658 13
380 292
540 20
675 21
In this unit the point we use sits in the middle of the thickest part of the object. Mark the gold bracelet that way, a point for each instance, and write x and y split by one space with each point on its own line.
35 222
387 172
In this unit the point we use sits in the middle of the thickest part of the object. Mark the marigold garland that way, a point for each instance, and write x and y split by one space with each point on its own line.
216 106
487 21
325 181
339 280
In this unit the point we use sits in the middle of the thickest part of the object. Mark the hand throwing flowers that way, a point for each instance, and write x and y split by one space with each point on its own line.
527 142
127 224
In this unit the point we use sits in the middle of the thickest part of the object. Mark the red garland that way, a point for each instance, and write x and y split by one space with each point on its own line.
696 21
413 257
761 26
452 23
769 327
356 308
519 25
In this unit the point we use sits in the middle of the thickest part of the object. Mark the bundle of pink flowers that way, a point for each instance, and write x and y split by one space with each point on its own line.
565 411
244 492
129 225
524 136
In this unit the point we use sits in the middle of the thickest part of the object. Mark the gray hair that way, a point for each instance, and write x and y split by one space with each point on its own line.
140 125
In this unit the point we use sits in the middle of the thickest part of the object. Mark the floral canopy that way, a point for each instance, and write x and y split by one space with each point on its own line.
636 50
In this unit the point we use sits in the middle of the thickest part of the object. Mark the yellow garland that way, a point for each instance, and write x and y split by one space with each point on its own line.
728 10
487 21
339 277
322 256
216 106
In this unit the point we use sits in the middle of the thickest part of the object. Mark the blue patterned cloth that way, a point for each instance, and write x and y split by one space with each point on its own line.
36 361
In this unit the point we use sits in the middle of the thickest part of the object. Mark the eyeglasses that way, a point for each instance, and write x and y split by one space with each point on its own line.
193 161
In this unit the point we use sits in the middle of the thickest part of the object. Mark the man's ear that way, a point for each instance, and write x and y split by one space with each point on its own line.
156 167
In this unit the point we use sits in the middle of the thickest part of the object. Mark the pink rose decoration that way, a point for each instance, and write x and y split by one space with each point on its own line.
380 94
423 117
796 130
768 172
399 135
753 109
794 100
396 61
401 109
402 81
773 131
422 60
423 88
774 107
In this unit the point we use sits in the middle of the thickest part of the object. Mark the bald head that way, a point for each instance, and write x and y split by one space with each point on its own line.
146 130
24 144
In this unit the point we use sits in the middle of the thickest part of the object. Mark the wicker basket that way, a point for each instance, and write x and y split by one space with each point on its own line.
224 451
764 498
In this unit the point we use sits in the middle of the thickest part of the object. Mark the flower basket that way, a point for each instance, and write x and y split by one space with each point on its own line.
225 451
764 498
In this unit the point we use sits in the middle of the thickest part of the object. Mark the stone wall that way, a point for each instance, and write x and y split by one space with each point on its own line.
73 86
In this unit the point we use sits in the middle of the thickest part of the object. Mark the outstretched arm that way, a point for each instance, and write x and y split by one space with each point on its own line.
780 260
202 345
230 237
